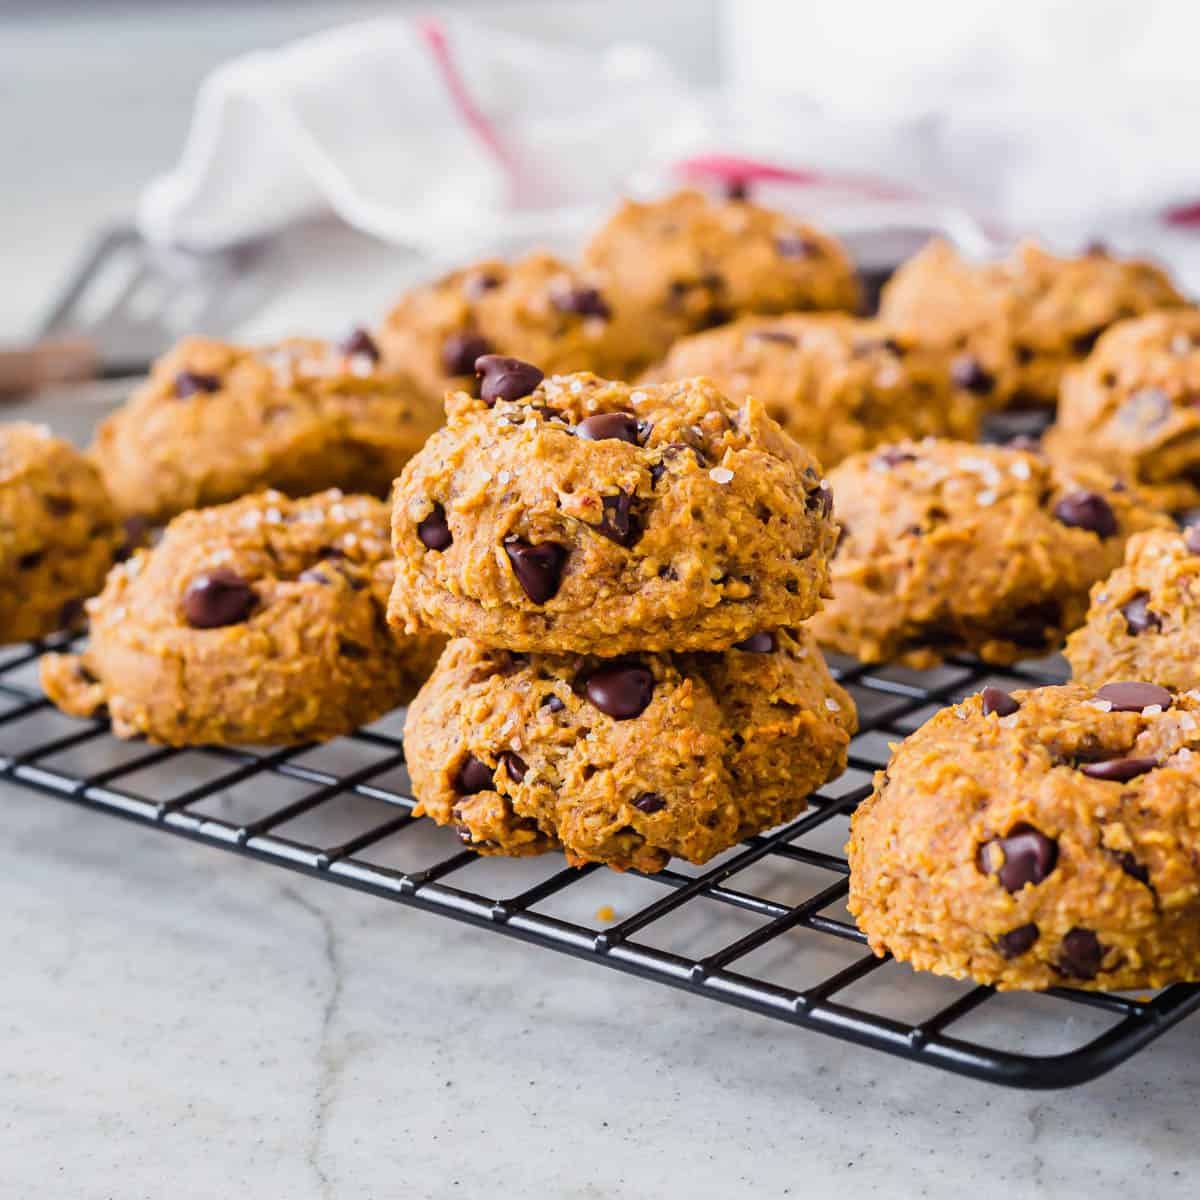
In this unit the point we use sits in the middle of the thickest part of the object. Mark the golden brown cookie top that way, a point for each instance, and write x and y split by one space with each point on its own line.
1134 405
836 383
699 262
228 565
576 513
538 308
216 420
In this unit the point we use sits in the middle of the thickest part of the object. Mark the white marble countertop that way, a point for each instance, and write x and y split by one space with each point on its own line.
179 1021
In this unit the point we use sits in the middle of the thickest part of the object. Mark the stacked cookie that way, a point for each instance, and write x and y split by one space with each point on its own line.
625 572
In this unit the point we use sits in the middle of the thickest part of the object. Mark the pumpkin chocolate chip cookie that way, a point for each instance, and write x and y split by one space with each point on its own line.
256 622
1134 408
1041 838
59 532
948 547
837 384
1144 622
580 515
688 262
626 761
1017 323
215 421
537 308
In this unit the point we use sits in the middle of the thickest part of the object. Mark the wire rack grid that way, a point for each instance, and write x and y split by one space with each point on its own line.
763 927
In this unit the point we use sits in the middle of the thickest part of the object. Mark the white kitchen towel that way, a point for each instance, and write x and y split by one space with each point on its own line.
1063 118
440 134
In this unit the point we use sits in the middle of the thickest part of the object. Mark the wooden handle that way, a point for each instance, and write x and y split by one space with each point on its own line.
54 360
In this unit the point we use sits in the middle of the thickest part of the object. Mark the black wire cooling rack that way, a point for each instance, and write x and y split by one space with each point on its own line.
763 928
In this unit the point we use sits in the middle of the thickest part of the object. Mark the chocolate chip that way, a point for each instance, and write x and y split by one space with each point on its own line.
772 335
621 690
1133 868
1191 539
1138 617
998 701
349 649
460 350
795 246
668 452
71 613
553 704
1080 954
892 457
650 802
58 506
1087 510
27 562
1025 355
758 643
614 426
1119 770
969 373
618 522
819 501
505 378
1015 942
217 597
1134 697
191 383
434 530
1025 856
584 301
473 776
360 342
538 568
479 283
137 533
514 766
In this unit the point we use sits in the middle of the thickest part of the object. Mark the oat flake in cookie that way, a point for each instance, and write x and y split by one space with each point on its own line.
1015 324
688 262
836 383
1134 408
626 761
948 547
1047 841
215 421
256 622
59 532
594 517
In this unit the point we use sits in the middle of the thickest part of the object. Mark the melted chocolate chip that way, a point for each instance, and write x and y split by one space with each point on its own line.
1119 770
504 378
1015 942
613 426
998 701
1080 954
191 383
794 246
514 766
650 802
619 523
473 776
1133 868
1087 510
434 530
621 690
1025 856
218 597
970 374
1138 617
584 301
460 350
758 643
360 342
819 501
1134 697
892 457
538 568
